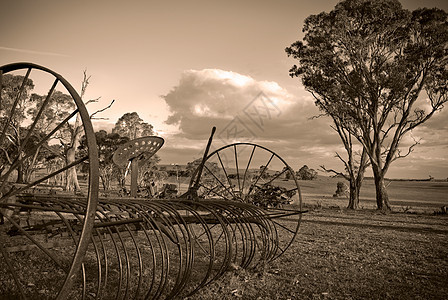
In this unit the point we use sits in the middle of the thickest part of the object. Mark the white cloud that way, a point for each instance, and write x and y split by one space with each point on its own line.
246 110
208 97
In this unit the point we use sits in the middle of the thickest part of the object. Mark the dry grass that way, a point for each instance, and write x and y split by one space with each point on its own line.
342 254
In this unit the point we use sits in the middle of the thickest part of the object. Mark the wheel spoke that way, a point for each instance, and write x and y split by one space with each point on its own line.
284 227
259 176
227 175
253 231
17 161
216 193
237 170
220 182
17 191
275 177
36 119
35 242
248 165
12 270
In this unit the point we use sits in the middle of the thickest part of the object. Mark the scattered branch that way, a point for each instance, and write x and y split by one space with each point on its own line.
334 172
101 110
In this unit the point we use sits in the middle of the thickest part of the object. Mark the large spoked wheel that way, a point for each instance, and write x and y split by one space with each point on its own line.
48 183
250 173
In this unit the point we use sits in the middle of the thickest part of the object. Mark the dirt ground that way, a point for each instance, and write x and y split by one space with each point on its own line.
342 254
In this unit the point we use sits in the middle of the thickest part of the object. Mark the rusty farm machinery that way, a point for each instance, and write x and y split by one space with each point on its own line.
85 244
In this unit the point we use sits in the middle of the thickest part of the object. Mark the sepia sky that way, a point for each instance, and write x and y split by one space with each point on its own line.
185 66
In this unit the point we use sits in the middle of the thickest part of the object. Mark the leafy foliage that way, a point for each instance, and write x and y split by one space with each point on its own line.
306 173
132 126
366 63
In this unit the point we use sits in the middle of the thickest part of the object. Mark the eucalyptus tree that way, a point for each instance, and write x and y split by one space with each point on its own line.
379 71
132 126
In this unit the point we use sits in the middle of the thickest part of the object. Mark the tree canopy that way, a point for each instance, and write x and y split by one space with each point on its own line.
379 70
132 126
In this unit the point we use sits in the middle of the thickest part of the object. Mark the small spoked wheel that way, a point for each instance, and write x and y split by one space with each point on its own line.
48 183
251 173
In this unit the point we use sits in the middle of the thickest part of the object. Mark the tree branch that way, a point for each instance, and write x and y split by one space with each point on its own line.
334 172
101 110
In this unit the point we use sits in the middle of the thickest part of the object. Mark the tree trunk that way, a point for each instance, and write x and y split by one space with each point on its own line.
353 202
382 198
71 183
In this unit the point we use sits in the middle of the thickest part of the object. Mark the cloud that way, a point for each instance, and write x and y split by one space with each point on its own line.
246 110
208 97
32 51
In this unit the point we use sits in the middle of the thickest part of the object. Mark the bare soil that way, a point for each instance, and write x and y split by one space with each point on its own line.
341 254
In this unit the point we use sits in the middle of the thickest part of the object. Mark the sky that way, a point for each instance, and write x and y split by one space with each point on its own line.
186 66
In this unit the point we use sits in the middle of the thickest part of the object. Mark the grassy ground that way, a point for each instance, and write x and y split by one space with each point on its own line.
343 254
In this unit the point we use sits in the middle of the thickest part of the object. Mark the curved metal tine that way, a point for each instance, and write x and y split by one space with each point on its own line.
101 215
153 207
148 226
166 226
126 261
75 241
258 178
211 253
99 256
132 211
239 235
180 238
139 258
164 273
226 245
227 175
270 236
46 138
244 229
234 224
251 246
75 206
184 267
14 106
248 165
11 268
237 169
253 221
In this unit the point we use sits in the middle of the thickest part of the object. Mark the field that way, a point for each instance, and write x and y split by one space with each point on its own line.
341 254
338 253
409 196
405 196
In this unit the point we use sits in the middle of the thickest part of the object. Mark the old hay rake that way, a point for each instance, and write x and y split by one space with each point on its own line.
57 243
